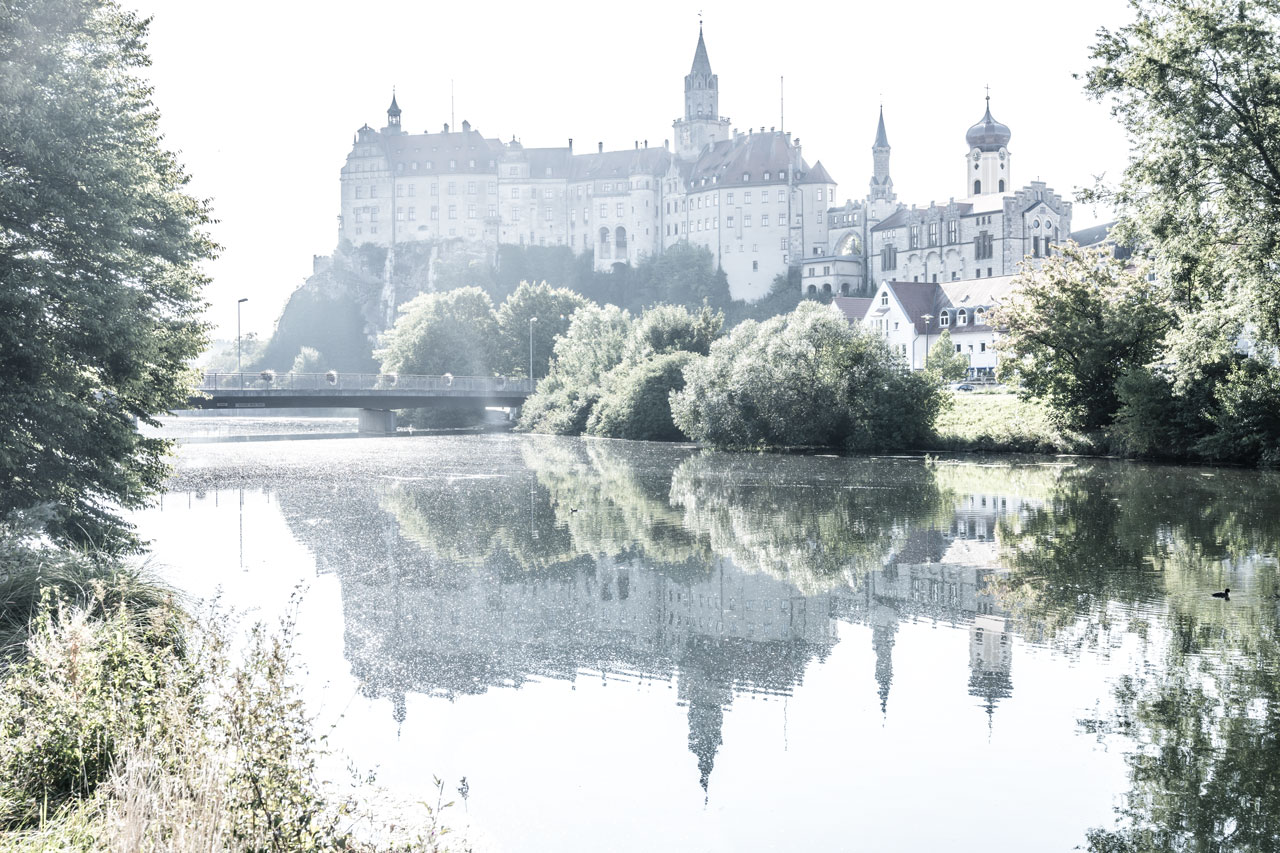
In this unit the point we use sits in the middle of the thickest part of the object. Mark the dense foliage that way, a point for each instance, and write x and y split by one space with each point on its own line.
805 379
636 400
100 249
439 333
608 359
528 323
1075 325
944 361
1194 84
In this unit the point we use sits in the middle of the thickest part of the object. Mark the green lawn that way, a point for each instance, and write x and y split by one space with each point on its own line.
1000 421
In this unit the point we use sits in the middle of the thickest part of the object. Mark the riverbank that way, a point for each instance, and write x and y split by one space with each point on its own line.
1002 422
129 722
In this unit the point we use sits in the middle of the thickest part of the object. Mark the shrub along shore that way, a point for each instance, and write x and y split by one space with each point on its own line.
127 723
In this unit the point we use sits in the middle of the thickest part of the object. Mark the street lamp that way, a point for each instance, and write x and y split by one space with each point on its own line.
927 318
532 320
238 304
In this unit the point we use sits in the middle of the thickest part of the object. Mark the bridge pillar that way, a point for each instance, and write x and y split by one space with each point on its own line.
377 422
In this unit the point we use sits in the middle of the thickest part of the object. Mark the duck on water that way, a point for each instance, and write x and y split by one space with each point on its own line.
1226 593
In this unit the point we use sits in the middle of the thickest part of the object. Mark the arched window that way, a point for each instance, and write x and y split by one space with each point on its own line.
812 290
977 187
944 319
1002 185
844 289
604 242
962 317
826 288
620 238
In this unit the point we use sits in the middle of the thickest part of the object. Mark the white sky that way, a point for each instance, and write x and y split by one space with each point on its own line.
262 99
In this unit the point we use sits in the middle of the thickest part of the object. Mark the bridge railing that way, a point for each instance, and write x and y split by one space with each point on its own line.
268 381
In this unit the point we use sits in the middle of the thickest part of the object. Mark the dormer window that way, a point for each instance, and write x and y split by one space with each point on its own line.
962 317
746 176
766 176
944 319
884 298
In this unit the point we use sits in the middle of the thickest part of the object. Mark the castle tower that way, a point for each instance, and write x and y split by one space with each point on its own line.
701 124
393 116
987 163
881 183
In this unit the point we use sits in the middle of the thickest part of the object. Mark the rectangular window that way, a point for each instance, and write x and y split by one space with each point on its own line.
746 220
764 220
453 211
413 190
548 193
621 209
515 214
982 346
373 191
493 211
359 192
914 237
399 190
493 188
782 244
933 233
728 198
471 211
471 187
746 197
953 231
399 214
435 212
728 222
453 188
412 215
604 211
435 189
546 212
782 219
515 192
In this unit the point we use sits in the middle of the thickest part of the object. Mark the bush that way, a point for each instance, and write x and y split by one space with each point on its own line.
806 378
637 401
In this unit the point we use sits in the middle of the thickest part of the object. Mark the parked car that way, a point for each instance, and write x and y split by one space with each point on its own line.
961 386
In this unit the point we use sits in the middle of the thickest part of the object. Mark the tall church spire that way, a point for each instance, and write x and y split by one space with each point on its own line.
881 183
701 64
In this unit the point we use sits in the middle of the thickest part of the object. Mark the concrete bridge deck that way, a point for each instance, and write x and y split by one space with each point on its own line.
376 395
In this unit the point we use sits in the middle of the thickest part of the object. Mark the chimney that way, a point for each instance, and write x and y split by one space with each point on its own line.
570 144
600 147
446 127
666 143
646 144
466 126
772 129
637 144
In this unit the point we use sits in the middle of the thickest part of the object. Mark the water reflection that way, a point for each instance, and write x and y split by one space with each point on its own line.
728 575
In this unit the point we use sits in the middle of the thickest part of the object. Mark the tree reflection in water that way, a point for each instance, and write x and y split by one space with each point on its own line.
727 574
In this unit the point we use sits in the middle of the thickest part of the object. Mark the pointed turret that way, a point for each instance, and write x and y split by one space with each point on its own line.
393 114
701 64
882 141
881 183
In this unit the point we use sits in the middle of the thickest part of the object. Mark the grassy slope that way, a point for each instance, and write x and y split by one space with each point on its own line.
1000 421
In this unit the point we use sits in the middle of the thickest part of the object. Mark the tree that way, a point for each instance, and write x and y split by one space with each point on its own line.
636 401
553 310
806 378
674 328
438 333
596 343
100 250
308 360
1075 326
944 362
1194 84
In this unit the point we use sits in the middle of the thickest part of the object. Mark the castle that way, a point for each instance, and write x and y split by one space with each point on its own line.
749 197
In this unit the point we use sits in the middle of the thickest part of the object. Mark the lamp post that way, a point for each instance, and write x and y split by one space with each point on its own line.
927 319
532 320
238 304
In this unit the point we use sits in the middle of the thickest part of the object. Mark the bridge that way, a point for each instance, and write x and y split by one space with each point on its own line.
376 395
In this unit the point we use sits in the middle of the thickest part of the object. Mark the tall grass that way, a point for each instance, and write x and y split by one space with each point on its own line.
127 724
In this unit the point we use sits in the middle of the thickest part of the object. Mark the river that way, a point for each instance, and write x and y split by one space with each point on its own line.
633 646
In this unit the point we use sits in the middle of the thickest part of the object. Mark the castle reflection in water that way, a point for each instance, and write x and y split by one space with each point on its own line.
451 589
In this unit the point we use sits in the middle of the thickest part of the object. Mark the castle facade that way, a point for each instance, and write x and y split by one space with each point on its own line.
749 197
